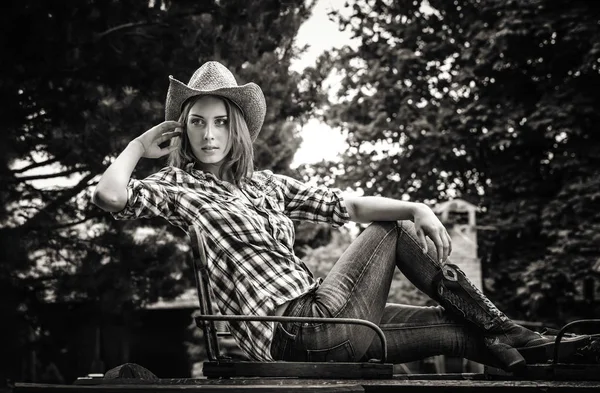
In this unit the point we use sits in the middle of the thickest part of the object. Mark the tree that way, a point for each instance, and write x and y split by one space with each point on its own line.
493 102
84 78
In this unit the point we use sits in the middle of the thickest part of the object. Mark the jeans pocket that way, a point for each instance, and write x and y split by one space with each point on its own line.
283 340
285 333
338 353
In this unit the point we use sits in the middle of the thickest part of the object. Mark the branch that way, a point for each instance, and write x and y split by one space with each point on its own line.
127 26
33 190
37 165
39 177
36 221
486 228
207 8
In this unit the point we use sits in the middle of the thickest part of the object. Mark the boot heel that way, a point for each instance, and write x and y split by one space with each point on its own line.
508 356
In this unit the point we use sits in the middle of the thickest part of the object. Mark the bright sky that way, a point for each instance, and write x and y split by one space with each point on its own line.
319 140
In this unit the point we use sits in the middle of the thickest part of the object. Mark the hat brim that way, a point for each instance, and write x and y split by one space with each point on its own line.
249 98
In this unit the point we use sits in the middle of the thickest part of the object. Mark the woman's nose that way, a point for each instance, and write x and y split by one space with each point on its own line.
208 135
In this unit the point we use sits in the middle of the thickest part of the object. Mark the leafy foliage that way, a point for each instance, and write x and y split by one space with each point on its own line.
493 102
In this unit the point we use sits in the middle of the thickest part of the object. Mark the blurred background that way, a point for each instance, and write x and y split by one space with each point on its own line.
491 105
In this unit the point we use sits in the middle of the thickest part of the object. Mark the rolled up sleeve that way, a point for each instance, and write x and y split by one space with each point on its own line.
304 202
153 196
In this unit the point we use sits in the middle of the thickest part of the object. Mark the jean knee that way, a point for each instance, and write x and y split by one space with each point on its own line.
384 225
406 225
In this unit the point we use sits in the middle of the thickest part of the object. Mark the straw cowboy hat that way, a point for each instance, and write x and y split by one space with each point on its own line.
213 78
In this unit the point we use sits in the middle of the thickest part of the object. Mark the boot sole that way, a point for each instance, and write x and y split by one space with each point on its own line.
510 359
544 353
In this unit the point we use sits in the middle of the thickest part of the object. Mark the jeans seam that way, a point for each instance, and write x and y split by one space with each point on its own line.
362 273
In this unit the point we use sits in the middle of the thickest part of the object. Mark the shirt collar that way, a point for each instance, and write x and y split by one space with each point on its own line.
207 176
190 168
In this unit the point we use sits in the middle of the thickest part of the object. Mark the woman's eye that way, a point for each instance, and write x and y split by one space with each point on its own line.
196 122
221 122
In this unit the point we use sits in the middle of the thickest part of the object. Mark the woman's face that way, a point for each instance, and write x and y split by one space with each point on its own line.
208 132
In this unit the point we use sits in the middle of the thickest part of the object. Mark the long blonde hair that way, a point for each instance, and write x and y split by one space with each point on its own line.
239 162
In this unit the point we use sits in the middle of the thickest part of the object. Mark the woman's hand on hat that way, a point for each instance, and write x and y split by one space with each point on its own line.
151 140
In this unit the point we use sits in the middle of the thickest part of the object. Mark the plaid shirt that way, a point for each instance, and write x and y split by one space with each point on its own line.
249 246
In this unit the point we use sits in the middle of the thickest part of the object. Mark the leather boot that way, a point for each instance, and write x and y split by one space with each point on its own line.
502 337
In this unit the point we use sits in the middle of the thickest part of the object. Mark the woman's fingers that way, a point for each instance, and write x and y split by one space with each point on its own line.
165 136
154 134
168 149
168 125
165 127
441 240
445 245
162 151
439 245
157 135
422 240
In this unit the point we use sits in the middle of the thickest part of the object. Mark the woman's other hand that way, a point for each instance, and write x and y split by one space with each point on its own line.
151 140
427 224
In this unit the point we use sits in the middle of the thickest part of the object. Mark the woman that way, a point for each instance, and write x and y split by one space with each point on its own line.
247 217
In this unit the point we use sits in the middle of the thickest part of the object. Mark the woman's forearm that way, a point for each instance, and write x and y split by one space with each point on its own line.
369 209
374 208
111 192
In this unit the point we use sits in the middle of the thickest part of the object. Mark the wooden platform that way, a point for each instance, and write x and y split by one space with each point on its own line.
458 383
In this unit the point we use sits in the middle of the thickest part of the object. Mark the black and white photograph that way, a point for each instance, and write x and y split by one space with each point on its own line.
300 195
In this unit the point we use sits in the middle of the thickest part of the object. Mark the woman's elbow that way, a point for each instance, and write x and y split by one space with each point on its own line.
352 208
109 201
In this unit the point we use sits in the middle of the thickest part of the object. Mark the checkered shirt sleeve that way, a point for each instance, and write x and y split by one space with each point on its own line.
154 196
304 202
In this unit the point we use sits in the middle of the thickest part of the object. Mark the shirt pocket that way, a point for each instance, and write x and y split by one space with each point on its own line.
273 203
274 197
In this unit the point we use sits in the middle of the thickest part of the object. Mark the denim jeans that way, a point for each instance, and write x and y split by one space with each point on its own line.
357 287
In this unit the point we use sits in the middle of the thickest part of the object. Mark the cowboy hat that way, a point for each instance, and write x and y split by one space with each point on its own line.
213 78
